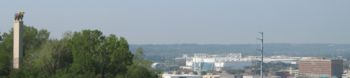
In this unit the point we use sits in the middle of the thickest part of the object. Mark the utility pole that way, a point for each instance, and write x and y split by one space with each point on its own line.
262 53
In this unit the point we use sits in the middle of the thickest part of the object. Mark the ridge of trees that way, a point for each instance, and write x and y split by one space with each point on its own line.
81 54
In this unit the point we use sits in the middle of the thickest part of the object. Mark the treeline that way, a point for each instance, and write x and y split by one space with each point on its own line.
290 49
81 54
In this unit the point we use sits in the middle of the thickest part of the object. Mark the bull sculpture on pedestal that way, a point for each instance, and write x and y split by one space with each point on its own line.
19 16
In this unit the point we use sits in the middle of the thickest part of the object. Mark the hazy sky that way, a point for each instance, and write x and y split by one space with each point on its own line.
190 21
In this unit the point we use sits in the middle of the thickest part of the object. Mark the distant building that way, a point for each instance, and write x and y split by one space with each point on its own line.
208 62
251 76
346 74
282 74
205 62
177 75
320 68
211 76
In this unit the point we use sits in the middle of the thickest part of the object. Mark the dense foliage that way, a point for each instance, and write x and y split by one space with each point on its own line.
83 54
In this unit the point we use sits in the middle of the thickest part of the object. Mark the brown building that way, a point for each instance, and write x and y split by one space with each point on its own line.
320 68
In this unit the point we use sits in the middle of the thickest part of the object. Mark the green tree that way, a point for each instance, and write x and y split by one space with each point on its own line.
139 55
141 68
5 54
83 54
139 72
32 38
0 37
52 56
103 55
139 59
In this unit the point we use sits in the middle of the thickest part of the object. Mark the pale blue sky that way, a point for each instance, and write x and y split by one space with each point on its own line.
190 21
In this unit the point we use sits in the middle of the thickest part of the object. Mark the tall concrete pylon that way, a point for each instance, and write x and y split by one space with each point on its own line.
18 40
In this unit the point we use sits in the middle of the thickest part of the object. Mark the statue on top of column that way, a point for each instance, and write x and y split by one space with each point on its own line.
19 16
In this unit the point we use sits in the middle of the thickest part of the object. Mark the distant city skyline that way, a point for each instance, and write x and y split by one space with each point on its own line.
190 21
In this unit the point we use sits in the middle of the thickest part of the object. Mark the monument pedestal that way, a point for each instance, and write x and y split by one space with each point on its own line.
17 41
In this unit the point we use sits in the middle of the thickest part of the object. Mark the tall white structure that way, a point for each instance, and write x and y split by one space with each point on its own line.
18 40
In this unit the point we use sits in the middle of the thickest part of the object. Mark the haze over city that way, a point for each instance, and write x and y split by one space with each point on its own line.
190 21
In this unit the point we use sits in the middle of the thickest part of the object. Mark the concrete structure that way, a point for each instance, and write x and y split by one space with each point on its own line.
211 76
203 62
346 73
18 40
175 75
320 68
250 76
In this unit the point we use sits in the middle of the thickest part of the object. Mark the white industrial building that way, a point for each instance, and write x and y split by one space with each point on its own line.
174 75
205 62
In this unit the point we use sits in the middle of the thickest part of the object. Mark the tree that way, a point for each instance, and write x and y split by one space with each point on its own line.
83 54
0 37
139 59
139 72
52 56
141 68
5 57
32 38
139 55
103 55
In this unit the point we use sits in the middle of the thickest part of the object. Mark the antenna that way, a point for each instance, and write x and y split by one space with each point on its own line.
262 53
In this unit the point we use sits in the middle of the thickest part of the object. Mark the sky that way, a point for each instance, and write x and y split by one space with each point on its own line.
190 21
